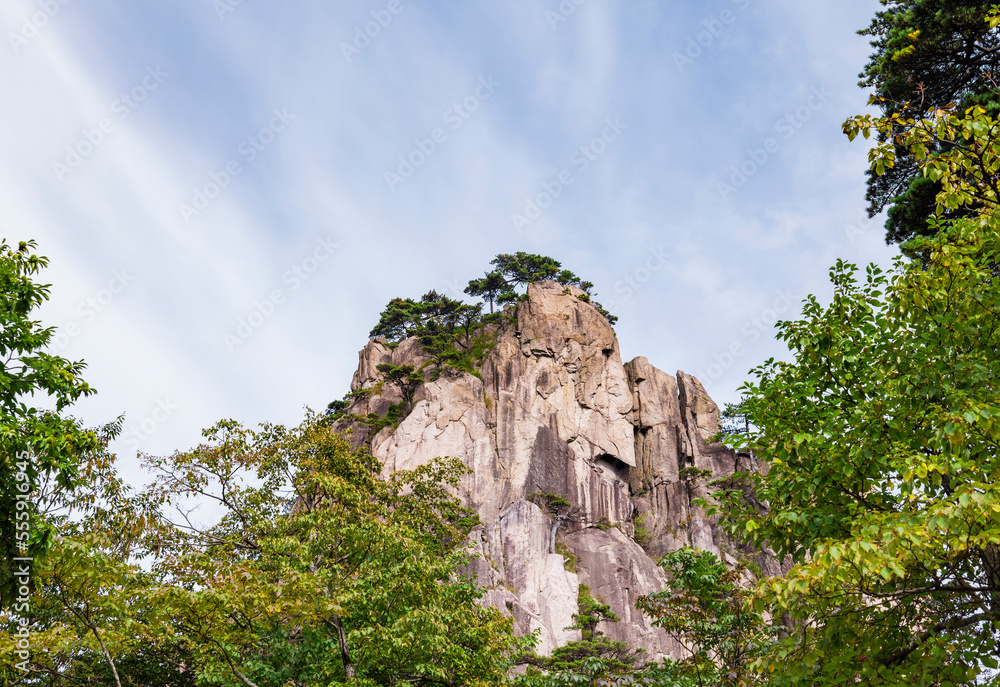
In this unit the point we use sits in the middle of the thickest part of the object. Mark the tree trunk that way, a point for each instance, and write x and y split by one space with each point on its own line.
991 561
345 653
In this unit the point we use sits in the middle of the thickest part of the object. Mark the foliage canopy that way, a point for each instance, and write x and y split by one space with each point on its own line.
35 444
929 55
881 438
319 571
436 316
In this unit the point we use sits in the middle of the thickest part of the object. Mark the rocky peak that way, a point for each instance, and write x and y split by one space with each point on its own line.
554 417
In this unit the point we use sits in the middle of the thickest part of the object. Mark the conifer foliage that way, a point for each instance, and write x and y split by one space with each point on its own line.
453 333
440 321
930 55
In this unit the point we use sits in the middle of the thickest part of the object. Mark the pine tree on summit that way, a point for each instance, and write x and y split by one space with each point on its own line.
455 335
435 315
520 269
512 271
492 288
526 268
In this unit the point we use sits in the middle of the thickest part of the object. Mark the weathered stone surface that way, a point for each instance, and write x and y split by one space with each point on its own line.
450 419
367 377
569 374
377 352
546 592
657 419
695 399
618 572
557 413
673 418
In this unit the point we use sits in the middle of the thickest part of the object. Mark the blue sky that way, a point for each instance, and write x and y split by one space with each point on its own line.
229 192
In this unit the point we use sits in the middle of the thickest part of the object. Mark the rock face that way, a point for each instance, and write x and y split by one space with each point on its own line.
557 419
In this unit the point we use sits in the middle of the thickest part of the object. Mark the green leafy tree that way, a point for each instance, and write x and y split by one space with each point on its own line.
929 54
323 572
881 440
707 609
95 621
92 619
34 443
964 172
319 570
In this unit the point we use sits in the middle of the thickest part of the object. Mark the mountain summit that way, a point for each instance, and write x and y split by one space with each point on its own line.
582 469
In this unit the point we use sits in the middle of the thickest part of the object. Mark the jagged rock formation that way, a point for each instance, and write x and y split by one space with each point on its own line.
557 418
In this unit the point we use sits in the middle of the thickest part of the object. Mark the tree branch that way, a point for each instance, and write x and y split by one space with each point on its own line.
900 656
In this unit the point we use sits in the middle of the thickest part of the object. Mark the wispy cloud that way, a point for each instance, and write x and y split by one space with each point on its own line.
204 84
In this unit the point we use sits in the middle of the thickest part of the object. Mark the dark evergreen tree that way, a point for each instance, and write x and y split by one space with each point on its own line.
734 420
492 288
522 268
929 54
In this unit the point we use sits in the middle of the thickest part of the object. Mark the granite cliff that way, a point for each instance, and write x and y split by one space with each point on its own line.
583 468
